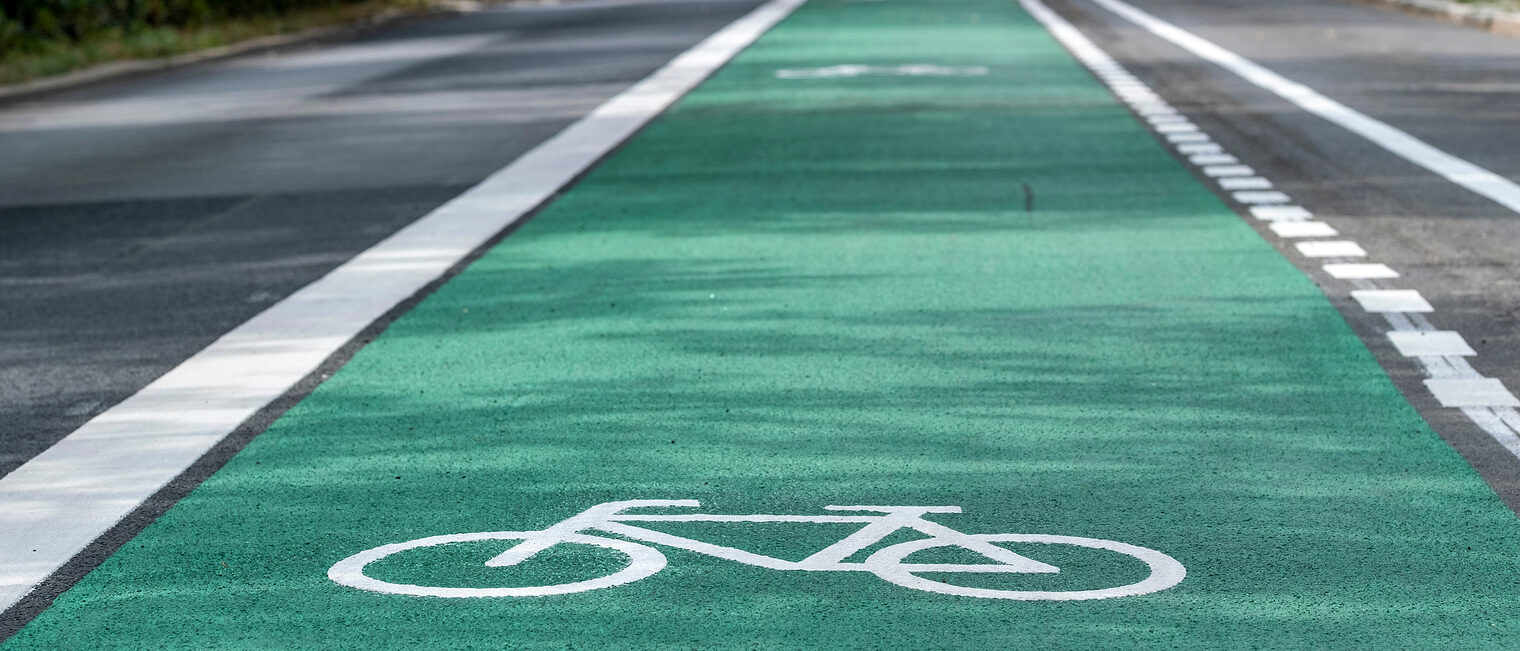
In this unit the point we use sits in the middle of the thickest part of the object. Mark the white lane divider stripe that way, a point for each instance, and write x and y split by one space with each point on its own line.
1296 229
1330 249
1461 172
1355 270
1204 148
1281 213
1471 392
1212 158
1228 170
1391 300
61 500
1187 137
1244 183
1433 343
1259 197
1457 384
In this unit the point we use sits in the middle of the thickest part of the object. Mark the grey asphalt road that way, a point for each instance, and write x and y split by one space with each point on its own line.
143 218
1453 87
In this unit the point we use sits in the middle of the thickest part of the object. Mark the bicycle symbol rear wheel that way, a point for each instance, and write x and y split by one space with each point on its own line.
888 564
643 561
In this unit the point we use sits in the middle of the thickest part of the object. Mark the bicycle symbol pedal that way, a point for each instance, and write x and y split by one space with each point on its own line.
877 522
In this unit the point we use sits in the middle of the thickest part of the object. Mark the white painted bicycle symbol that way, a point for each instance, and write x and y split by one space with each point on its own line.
887 563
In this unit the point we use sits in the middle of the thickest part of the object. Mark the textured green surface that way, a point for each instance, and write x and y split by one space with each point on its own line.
791 293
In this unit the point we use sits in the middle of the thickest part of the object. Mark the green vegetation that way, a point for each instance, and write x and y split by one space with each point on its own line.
48 37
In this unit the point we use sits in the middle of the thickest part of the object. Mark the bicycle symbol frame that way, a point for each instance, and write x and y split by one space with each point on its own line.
886 563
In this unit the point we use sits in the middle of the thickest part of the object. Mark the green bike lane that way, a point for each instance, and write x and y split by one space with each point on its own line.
793 291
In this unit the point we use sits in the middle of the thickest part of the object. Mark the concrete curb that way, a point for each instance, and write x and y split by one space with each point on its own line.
1497 21
117 69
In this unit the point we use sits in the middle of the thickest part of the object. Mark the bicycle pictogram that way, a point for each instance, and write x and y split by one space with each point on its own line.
878 522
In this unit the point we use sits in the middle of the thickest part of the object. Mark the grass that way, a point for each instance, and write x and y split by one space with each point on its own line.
1507 5
16 67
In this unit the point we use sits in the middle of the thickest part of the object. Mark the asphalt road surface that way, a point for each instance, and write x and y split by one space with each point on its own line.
893 253
144 218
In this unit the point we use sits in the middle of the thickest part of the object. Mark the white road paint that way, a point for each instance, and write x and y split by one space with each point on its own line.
886 563
1212 158
1484 401
1330 249
1244 183
1228 170
1391 300
1461 172
1297 229
1360 271
1435 343
1203 148
1471 392
61 500
861 70
1281 213
1261 197
1177 127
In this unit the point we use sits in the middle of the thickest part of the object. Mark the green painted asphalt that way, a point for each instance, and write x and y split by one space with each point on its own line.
788 293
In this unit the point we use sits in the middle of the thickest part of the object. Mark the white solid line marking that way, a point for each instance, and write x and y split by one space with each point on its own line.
1302 229
1265 196
1459 171
1228 170
1359 271
60 500
1244 183
1331 249
1391 300
1280 213
1471 392
1428 343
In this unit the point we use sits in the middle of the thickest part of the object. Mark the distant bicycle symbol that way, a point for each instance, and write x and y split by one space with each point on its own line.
887 563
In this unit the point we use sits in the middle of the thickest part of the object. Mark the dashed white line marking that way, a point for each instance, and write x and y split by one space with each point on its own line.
1297 229
55 504
1391 300
1212 158
1500 422
1280 213
1228 170
1360 271
1244 183
1266 196
1430 343
1471 392
1331 249
1201 148
1177 127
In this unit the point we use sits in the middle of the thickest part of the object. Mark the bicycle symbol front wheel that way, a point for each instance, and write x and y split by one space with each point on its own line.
888 564
643 561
